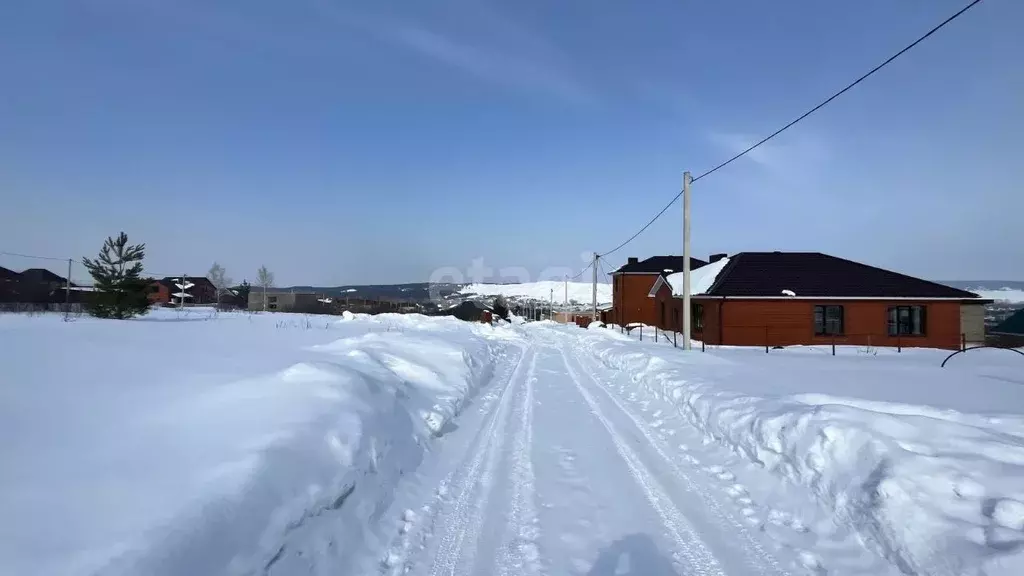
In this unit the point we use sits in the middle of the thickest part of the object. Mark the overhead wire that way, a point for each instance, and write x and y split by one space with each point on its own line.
34 257
793 122
580 273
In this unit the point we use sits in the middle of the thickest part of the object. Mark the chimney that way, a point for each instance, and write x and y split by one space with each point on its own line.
716 257
632 260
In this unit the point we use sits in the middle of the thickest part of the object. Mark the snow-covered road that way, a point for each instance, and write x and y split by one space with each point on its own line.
409 445
556 474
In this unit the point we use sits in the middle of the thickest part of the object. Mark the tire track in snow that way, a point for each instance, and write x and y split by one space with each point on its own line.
688 543
466 516
763 562
521 555
415 531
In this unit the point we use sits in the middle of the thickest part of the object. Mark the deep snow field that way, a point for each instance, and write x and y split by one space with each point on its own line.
173 443
196 443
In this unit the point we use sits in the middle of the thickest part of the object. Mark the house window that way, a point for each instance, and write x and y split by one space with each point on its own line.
272 306
697 316
907 321
828 320
272 299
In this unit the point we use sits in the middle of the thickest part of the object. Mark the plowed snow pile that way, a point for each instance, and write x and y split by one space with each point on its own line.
925 463
196 444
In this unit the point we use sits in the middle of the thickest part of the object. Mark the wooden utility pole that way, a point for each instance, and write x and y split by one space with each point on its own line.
686 260
67 292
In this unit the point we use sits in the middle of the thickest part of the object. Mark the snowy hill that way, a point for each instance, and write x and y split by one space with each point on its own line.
578 292
1009 295
1005 291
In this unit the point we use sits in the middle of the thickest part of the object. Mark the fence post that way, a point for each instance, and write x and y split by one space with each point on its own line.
655 333
765 339
675 337
899 343
963 341
833 344
641 332
702 345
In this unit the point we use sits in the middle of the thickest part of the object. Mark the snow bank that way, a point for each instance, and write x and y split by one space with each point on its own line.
579 292
936 490
235 445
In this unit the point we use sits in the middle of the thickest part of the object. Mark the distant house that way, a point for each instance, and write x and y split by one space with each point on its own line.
42 277
283 300
790 298
203 291
9 282
632 282
1009 332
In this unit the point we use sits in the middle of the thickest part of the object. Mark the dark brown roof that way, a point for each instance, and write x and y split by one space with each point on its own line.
6 274
40 275
170 281
658 265
816 274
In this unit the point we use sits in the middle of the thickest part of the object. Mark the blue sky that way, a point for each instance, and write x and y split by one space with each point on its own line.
354 142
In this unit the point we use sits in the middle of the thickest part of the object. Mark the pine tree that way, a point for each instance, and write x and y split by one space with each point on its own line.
243 290
120 291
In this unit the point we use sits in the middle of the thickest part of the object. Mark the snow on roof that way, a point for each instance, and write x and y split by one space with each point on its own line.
544 290
788 293
701 279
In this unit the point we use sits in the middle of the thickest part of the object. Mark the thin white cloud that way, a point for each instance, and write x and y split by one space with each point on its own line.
784 155
500 68
505 66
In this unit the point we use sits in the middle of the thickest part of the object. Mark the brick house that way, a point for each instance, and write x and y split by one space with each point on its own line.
791 298
632 282
203 292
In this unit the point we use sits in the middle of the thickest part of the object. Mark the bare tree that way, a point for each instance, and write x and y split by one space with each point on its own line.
264 279
219 279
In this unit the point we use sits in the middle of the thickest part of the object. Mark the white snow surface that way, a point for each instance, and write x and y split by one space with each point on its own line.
579 292
925 464
196 443
701 279
1000 295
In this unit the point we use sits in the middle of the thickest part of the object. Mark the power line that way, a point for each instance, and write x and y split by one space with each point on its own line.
841 92
35 257
580 273
801 117
605 270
